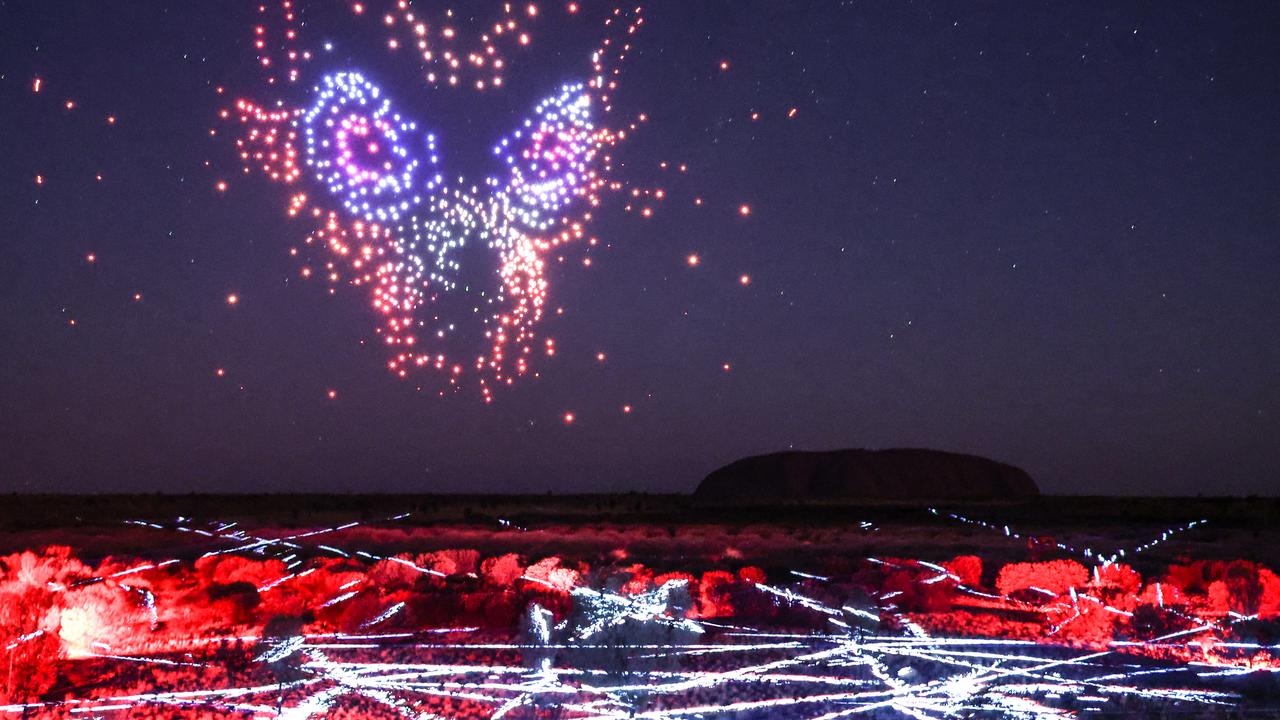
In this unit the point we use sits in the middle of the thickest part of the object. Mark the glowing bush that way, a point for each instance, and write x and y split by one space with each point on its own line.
1055 576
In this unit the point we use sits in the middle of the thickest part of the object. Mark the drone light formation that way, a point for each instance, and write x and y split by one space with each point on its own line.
373 184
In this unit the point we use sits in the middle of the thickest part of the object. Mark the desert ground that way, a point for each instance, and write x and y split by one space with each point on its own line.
636 606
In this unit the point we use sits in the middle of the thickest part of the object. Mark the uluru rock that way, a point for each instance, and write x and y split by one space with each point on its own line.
901 475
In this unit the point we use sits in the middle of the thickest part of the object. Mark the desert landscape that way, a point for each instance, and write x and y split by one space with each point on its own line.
677 360
636 606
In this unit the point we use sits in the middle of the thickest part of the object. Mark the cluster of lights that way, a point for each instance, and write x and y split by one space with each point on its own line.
449 54
555 153
398 226
275 54
357 147
269 142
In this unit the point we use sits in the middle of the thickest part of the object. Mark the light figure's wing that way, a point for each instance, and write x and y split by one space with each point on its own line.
549 158
365 154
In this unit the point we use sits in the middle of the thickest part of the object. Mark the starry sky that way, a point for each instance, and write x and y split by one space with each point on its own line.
1041 232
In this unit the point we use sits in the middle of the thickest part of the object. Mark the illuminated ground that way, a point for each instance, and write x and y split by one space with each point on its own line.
637 607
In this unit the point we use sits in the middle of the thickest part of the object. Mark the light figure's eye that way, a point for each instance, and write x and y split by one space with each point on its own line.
549 158
362 150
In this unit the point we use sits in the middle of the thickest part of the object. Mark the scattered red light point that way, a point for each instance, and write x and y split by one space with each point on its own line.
724 64
626 408
91 257
693 260
573 8
221 186
233 299
35 84
333 394
568 418
220 372
792 112
39 179
137 297
744 210
745 280
727 367
600 357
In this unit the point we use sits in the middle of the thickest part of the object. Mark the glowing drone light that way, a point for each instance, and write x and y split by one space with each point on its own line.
356 146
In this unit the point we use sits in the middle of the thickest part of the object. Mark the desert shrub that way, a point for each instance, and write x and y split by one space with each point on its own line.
1055 576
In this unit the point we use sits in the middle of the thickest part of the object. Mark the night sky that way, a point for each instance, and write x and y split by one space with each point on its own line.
1040 232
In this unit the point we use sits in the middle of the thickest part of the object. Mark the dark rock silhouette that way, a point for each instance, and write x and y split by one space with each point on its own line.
891 475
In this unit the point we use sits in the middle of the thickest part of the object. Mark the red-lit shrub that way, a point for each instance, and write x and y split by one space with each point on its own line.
1054 576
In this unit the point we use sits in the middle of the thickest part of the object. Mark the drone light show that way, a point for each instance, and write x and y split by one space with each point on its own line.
362 170
639 360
